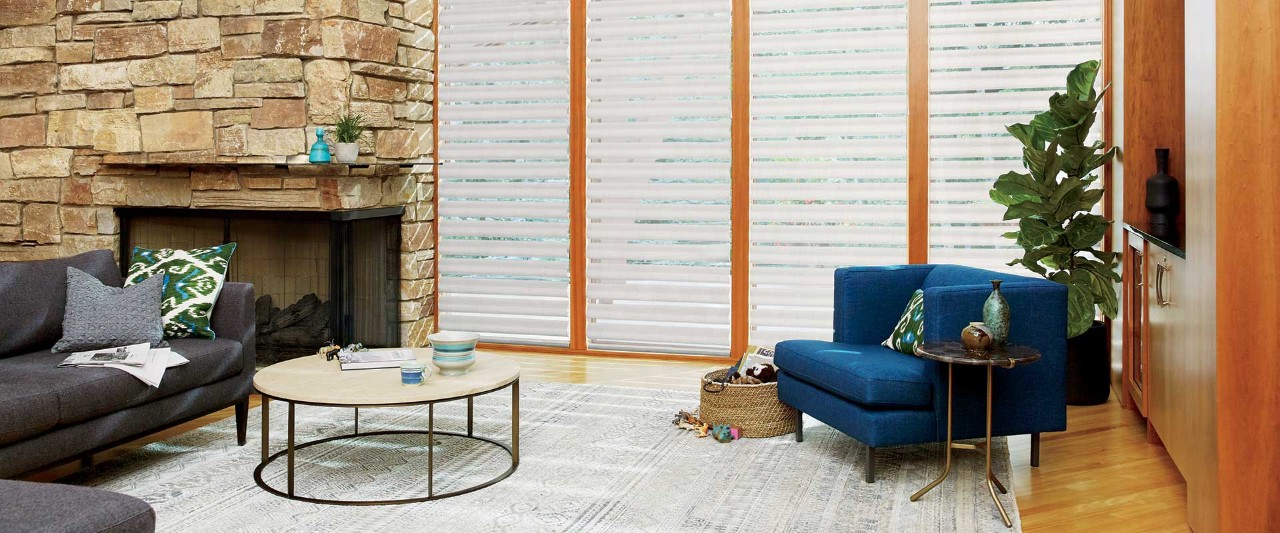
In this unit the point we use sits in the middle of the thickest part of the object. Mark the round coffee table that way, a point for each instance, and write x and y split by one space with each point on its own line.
312 380
953 353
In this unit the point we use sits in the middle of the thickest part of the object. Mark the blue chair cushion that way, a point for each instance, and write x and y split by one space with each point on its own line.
867 374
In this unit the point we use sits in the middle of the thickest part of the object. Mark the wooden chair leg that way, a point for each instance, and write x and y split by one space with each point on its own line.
242 421
1035 449
871 465
799 426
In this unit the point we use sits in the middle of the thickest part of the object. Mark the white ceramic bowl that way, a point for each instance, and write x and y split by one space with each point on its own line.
453 352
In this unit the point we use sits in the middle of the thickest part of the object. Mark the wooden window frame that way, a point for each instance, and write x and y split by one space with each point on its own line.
740 171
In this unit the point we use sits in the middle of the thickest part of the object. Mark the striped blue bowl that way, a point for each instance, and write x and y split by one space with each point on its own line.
453 352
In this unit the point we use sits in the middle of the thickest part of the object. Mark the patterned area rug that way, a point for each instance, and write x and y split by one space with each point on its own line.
593 458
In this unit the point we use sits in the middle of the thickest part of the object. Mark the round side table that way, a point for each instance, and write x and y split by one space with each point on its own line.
953 353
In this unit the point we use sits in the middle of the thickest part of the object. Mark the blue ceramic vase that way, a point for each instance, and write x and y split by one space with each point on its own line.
320 150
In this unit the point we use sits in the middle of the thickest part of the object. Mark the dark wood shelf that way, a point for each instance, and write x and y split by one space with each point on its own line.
1172 247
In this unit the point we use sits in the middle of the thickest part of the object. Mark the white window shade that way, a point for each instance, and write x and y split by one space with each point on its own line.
504 175
992 63
658 191
829 154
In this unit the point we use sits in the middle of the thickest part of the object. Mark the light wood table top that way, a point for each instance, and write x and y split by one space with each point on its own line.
312 379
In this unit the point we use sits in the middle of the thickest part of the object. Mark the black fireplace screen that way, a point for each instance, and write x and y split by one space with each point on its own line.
319 276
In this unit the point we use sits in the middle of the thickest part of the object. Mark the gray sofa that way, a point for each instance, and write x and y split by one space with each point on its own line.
52 508
49 415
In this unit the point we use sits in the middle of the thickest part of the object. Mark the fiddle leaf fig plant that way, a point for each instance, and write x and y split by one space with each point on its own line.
1053 200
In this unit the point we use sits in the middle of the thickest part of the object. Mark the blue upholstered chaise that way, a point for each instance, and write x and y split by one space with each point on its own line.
882 397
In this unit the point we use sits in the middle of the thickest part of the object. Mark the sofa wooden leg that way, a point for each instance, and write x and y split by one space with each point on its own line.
799 426
871 465
1035 449
242 421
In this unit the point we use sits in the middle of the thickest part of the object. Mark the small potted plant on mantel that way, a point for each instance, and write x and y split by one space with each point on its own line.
347 131
1058 230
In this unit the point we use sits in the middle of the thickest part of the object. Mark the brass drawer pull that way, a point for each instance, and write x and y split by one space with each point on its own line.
1161 299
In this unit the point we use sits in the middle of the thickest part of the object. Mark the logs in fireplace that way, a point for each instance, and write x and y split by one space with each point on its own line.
298 329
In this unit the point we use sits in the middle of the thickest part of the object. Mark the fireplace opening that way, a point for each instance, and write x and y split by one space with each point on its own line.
319 276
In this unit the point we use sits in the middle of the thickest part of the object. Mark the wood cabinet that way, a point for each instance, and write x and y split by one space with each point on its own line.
1135 324
1166 378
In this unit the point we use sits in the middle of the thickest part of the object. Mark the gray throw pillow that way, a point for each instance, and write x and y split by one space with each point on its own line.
99 316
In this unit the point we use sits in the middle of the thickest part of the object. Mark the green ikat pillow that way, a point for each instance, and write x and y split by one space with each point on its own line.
195 280
910 329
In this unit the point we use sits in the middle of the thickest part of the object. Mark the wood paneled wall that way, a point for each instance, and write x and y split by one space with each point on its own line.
1196 408
1154 96
1248 243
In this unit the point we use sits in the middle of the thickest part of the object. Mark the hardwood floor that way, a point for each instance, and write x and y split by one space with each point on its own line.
1100 475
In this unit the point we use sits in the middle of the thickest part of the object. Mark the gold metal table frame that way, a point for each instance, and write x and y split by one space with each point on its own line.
952 354
267 457
993 483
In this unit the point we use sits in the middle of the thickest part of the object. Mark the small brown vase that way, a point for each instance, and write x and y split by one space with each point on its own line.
976 338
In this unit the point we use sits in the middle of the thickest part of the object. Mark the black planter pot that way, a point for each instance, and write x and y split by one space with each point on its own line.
1089 367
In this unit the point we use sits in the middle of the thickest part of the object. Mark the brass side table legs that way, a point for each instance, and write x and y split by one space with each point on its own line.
993 483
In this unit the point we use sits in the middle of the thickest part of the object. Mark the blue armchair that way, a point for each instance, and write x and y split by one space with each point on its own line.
882 397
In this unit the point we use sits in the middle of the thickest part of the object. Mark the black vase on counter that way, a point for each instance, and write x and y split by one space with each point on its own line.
1162 199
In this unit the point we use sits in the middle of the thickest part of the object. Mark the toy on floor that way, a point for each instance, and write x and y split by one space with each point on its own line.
686 420
726 433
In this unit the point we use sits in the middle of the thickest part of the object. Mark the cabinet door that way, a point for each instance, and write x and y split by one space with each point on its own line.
1165 348
1135 324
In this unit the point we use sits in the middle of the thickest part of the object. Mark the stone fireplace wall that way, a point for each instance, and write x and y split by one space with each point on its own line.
213 104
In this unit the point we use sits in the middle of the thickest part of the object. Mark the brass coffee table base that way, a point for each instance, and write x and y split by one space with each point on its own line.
267 458
993 484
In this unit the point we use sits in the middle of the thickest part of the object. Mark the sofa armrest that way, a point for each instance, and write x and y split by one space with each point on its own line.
235 318
870 300
1028 399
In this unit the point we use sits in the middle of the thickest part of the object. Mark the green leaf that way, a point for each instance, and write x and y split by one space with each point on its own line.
1026 134
1002 198
1026 209
1064 191
1085 231
1035 160
1068 205
1020 187
1097 160
1101 286
1106 257
1053 163
1069 110
1077 133
1080 309
1080 80
1010 235
1047 124
1033 233
1089 198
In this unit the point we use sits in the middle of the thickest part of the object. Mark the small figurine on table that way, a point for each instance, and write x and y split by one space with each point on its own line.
329 351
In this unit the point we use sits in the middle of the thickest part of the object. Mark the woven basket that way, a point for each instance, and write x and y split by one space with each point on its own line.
754 408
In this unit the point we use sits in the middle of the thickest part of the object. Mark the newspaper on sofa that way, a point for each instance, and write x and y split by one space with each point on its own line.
138 360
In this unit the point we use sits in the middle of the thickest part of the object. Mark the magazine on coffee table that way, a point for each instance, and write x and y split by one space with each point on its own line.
132 355
374 358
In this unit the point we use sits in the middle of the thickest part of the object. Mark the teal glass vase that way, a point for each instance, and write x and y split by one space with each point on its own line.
320 150
995 314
